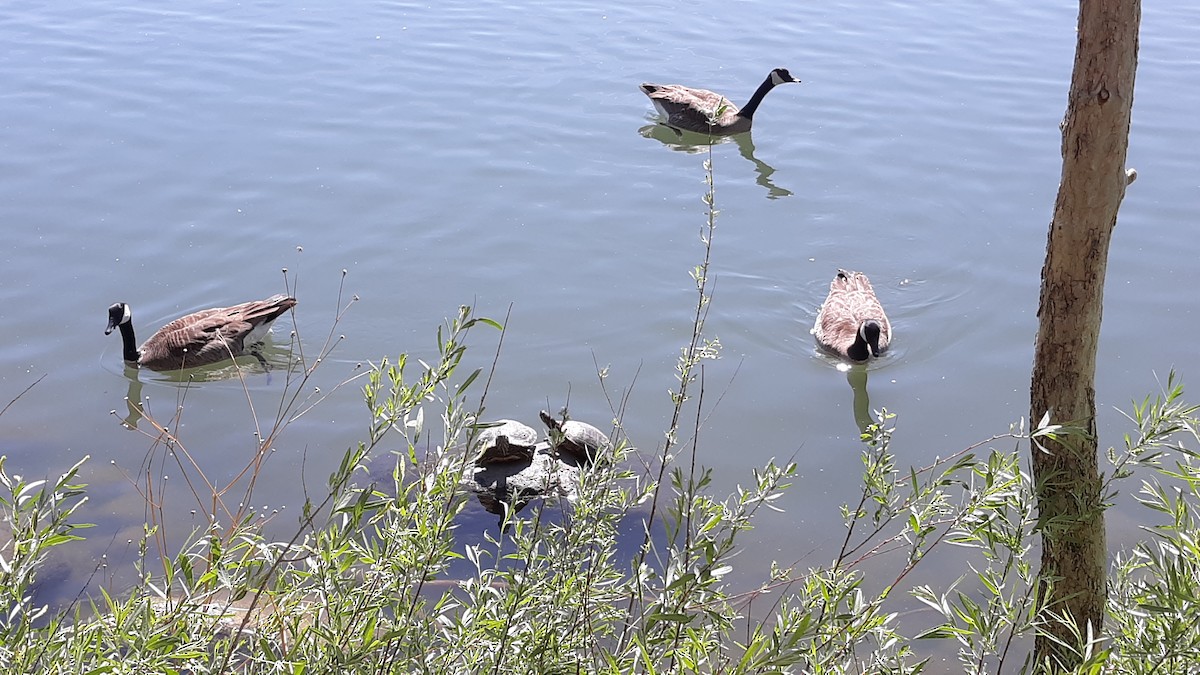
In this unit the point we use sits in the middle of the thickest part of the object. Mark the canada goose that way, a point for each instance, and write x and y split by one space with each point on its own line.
200 338
851 322
691 109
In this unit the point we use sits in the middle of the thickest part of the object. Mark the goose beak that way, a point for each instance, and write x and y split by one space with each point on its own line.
111 326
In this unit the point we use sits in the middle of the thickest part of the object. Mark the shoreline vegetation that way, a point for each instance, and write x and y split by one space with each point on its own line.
363 585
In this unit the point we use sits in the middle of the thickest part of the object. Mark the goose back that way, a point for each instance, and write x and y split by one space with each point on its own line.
689 109
851 322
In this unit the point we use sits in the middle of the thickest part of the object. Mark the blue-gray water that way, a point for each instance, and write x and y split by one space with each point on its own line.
491 154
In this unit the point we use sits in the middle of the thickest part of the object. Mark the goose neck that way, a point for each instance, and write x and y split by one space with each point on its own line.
129 342
747 110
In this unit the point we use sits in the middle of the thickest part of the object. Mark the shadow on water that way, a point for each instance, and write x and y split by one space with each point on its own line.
477 523
692 143
482 518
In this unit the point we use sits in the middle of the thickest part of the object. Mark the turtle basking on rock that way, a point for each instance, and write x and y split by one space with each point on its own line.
580 440
505 441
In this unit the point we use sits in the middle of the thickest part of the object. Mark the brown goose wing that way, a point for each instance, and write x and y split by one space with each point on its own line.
852 282
836 327
211 335
197 339
864 305
679 95
690 108
258 312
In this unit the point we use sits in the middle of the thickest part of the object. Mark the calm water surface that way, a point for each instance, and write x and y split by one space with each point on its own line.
501 155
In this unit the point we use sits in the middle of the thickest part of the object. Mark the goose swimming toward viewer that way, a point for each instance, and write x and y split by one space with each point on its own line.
200 338
690 109
851 322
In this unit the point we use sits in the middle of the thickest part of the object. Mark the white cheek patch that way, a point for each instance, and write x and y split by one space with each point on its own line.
127 315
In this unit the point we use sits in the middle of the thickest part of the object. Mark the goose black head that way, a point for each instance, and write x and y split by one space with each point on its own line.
117 314
869 331
781 75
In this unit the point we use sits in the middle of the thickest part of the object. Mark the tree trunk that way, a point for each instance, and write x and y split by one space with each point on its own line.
1065 468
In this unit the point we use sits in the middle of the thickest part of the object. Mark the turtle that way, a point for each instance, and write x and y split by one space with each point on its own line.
580 440
505 441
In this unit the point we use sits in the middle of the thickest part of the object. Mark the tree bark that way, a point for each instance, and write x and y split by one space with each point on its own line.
1095 136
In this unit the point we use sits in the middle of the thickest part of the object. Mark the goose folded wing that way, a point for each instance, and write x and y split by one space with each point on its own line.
260 311
701 98
839 326
208 338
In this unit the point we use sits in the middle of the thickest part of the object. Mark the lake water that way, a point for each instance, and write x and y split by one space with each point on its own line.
179 157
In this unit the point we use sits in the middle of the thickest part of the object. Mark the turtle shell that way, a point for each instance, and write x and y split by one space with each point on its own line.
505 441
581 440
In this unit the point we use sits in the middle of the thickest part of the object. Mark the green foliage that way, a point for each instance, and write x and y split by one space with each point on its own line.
374 581
1154 601
36 518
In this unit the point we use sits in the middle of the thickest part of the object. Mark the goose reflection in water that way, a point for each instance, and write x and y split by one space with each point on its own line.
693 143
856 375
133 398
277 357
